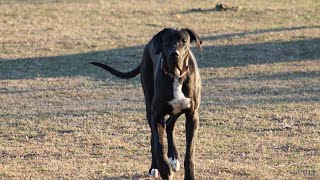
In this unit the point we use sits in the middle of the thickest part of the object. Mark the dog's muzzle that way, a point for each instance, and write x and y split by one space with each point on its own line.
181 73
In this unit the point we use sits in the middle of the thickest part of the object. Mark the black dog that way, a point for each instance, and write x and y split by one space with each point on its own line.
172 86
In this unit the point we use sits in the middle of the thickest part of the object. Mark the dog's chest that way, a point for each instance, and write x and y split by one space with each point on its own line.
179 101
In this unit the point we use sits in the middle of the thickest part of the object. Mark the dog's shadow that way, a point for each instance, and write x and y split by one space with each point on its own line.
71 65
259 53
127 58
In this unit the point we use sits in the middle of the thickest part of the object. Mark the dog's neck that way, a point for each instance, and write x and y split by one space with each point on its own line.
164 68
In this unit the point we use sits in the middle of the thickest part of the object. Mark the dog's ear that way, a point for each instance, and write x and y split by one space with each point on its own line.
194 38
157 42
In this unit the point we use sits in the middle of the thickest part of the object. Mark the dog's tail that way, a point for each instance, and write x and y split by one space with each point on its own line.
122 75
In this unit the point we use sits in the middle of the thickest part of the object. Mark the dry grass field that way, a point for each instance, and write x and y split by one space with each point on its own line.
61 118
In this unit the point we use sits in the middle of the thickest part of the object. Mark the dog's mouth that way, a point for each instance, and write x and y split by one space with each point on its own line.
179 72
176 71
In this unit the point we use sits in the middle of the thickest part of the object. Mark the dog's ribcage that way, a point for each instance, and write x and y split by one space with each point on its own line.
179 101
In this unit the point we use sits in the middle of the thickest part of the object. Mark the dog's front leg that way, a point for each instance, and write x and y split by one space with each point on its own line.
158 129
192 121
173 154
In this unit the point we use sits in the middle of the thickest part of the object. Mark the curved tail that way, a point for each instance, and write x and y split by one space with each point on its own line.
126 75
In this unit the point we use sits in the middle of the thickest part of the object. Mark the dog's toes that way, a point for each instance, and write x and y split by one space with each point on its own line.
175 164
154 173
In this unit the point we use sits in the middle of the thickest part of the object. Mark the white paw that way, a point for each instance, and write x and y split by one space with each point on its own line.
175 164
170 177
154 173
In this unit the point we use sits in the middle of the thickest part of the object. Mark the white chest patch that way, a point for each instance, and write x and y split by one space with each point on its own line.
179 101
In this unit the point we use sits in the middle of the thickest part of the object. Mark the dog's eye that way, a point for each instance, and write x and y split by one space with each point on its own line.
183 41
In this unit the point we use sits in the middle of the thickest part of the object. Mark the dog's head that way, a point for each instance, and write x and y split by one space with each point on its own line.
174 44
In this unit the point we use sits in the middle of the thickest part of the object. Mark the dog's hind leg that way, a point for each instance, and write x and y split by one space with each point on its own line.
173 154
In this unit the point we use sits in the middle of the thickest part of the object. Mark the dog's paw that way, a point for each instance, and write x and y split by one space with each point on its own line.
154 173
175 164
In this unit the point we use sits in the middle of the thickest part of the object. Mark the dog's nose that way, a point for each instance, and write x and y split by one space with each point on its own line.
175 54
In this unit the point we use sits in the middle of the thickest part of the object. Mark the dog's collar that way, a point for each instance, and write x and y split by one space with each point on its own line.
164 69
